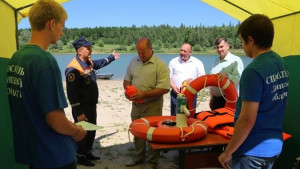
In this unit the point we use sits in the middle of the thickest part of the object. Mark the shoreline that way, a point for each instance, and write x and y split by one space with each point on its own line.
209 53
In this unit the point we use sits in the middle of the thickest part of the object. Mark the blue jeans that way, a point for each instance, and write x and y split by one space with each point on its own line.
251 162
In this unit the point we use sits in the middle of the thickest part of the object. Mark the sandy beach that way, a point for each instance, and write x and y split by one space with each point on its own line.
113 142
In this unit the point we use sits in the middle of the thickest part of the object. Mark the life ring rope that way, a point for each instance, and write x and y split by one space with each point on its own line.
221 89
187 134
191 132
147 124
195 92
129 135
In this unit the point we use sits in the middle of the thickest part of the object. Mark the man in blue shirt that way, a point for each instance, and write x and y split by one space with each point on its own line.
257 139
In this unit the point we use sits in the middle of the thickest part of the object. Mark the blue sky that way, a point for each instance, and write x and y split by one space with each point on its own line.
104 13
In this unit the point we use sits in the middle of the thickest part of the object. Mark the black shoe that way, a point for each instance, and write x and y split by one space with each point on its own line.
90 156
84 161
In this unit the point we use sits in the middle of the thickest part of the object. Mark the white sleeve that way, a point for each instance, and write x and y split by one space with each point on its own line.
201 70
171 68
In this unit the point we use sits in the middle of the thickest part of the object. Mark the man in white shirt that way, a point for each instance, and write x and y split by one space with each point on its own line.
183 68
228 66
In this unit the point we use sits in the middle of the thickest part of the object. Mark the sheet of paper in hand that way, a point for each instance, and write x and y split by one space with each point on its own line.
88 126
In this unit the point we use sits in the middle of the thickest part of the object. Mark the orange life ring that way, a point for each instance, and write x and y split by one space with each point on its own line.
147 129
210 80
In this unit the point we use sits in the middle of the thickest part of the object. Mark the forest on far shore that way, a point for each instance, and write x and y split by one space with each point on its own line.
165 38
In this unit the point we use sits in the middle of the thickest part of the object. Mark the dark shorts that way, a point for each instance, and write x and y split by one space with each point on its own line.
217 102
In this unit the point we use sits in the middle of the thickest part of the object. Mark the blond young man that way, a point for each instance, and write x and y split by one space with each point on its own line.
43 136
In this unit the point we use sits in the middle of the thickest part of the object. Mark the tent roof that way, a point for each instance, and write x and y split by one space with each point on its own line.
241 10
285 15
22 6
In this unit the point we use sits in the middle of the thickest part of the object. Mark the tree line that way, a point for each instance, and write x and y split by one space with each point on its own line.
162 36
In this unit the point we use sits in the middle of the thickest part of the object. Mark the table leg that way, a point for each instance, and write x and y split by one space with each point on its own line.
202 159
181 159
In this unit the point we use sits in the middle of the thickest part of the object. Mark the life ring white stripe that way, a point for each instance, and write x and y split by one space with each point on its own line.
192 90
146 121
225 85
150 132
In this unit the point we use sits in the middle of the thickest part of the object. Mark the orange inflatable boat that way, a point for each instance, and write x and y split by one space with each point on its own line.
155 129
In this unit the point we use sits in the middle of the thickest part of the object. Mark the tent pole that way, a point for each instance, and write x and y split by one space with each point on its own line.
238 7
285 15
16 32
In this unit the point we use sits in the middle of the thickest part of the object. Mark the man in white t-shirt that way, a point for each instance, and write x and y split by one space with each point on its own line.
183 68
228 66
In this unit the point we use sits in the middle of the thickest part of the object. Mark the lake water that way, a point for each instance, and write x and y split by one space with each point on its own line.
118 67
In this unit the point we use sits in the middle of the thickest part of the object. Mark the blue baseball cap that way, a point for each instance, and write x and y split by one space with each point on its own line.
82 41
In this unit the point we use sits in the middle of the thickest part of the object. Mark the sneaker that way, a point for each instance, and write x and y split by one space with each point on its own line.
84 161
90 156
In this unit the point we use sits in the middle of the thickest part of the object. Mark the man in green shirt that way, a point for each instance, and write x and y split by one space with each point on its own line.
150 75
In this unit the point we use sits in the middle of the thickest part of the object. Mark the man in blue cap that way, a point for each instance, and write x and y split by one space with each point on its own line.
82 91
